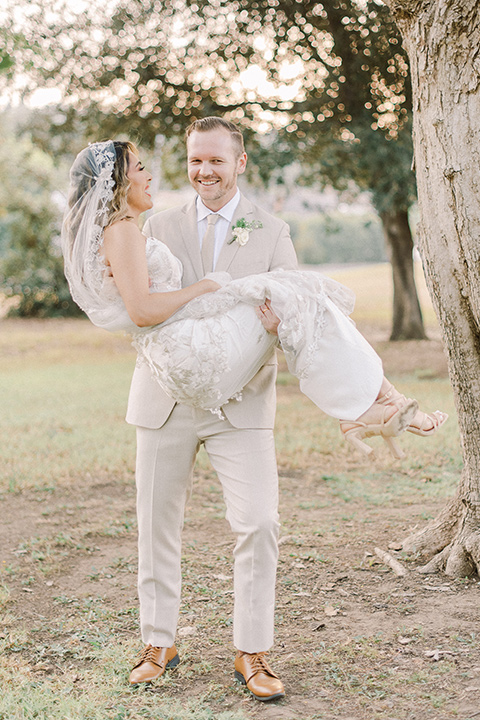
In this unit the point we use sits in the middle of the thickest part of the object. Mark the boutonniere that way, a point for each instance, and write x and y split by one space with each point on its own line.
242 229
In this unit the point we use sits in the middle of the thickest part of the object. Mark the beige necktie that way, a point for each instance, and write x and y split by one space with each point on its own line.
208 244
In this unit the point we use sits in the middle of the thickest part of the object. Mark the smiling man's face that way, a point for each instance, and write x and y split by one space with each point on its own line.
213 166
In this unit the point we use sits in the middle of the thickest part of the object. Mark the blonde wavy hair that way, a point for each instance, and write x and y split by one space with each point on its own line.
118 205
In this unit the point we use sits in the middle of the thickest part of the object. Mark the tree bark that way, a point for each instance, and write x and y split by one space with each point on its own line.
407 315
442 38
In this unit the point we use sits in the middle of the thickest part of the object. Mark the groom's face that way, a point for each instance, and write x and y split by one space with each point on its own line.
213 166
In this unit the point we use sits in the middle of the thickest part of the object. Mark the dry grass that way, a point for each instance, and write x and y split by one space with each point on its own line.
354 642
373 288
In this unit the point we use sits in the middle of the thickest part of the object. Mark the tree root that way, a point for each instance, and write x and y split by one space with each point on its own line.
437 563
438 533
453 539
392 562
472 546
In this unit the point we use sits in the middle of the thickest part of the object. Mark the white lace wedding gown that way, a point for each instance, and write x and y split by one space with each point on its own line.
209 349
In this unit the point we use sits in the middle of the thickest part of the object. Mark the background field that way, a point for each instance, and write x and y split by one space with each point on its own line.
354 641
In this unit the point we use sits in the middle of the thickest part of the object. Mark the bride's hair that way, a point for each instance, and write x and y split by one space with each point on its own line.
85 173
97 198
118 205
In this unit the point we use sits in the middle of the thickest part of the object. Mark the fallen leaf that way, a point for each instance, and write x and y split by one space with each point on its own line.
404 640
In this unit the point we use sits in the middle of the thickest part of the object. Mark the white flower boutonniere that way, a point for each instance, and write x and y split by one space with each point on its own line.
242 229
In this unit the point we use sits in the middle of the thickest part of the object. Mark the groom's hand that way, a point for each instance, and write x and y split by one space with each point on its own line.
268 318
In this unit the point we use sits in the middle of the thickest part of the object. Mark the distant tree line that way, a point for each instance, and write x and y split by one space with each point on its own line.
337 238
31 265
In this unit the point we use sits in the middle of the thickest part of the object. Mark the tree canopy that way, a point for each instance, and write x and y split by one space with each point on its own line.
149 67
335 96
336 85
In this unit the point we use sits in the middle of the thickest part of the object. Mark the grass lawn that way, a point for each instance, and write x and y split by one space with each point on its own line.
353 642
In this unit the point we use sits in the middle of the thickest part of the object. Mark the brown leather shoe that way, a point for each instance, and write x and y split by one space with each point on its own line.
152 663
252 670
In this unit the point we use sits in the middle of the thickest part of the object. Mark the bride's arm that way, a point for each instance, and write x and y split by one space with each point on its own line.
124 252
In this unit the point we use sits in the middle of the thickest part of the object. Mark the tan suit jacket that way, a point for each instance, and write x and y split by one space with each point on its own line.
268 248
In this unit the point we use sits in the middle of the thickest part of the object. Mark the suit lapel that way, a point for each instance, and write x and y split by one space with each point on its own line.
189 232
229 250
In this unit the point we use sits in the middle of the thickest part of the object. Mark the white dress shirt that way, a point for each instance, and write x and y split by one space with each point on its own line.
222 226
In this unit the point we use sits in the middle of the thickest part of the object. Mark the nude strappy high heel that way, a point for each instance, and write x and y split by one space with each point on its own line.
386 429
437 418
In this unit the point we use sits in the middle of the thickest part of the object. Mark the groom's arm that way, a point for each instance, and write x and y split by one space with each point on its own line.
284 256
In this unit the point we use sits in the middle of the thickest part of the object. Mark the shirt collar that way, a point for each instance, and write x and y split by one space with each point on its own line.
225 212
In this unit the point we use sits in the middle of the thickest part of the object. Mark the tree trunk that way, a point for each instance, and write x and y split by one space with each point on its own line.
442 40
407 315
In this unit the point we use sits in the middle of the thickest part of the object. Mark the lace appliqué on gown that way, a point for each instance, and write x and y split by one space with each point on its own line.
210 348
298 299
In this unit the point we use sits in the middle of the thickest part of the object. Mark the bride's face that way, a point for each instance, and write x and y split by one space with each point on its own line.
138 197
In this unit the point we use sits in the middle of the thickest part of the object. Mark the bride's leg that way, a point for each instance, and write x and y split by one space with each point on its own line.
390 415
423 423
383 418
345 374
345 379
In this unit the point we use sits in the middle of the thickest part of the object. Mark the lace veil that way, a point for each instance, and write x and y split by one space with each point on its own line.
89 202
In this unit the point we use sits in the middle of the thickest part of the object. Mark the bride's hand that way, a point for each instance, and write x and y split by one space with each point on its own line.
209 285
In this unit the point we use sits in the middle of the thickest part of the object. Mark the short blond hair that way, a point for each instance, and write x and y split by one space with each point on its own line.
218 123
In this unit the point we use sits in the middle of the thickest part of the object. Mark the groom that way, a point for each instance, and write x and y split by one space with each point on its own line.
240 445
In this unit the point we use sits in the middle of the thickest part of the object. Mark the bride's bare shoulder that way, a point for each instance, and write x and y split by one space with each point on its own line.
123 230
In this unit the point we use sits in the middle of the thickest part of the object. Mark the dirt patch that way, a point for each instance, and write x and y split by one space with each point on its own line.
353 640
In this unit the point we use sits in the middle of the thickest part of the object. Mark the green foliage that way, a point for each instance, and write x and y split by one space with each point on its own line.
31 266
337 238
149 68
351 120
9 41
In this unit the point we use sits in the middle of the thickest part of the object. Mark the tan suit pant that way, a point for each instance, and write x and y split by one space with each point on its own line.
244 460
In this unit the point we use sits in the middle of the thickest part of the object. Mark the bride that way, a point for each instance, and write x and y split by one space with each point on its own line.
203 343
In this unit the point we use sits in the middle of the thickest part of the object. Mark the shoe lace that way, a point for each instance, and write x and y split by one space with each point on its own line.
259 663
148 654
